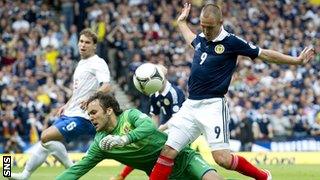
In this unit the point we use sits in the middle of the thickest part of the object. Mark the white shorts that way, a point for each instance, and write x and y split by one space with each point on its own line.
209 117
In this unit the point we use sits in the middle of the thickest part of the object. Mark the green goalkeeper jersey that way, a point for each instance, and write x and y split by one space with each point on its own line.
142 153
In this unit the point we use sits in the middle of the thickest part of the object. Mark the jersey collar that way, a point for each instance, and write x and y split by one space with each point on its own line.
165 91
220 37
89 58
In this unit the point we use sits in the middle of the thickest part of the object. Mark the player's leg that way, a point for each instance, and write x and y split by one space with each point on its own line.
124 173
163 167
38 156
70 128
49 139
238 163
198 168
217 134
211 175
182 131
201 146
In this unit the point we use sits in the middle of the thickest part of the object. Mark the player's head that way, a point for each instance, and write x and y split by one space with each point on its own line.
103 109
87 43
211 21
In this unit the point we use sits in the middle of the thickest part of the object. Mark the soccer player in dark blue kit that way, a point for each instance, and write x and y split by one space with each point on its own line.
164 103
206 110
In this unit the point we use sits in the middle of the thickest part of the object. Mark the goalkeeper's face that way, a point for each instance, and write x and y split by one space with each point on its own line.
99 118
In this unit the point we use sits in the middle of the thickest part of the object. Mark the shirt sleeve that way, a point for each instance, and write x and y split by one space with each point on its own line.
177 99
195 41
101 71
244 48
90 160
181 97
143 124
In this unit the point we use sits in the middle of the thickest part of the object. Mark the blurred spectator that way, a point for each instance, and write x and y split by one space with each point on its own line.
245 132
68 12
281 126
315 128
73 40
12 146
51 56
20 24
262 127
49 40
300 125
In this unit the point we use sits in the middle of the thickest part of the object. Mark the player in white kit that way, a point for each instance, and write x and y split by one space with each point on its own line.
91 75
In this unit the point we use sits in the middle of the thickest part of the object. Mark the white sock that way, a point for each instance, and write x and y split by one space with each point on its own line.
58 150
38 156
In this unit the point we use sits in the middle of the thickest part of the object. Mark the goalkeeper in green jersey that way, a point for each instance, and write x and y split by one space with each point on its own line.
131 138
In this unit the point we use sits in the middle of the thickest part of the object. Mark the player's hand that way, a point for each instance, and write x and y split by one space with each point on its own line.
110 141
306 55
185 12
61 110
163 127
84 105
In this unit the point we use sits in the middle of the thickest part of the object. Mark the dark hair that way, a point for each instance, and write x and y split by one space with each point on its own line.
106 101
89 33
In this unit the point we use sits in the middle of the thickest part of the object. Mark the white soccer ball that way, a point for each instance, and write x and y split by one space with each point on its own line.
148 78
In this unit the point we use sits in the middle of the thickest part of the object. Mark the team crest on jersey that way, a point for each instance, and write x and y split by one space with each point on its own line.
166 101
126 129
219 49
175 108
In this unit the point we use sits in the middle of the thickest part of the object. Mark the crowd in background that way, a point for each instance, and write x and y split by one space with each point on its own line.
38 50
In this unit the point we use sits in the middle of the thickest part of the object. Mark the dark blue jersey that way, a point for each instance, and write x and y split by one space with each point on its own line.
214 63
167 103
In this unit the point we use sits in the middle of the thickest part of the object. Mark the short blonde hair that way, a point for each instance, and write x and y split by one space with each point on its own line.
211 10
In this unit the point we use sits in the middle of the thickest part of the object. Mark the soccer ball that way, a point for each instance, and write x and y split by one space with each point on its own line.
148 78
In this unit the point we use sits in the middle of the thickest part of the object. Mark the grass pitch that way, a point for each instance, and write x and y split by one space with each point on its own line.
279 172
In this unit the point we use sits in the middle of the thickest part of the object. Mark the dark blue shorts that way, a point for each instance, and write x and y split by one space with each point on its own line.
73 128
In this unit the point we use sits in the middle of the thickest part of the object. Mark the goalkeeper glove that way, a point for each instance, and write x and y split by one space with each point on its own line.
110 141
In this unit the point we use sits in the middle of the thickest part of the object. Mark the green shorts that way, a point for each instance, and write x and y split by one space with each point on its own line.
195 170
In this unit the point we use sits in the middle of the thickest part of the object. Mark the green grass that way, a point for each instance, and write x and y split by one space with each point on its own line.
279 172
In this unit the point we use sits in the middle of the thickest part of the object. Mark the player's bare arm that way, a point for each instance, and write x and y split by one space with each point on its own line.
279 58
163 127
188 35
156 119
62 108
105 87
